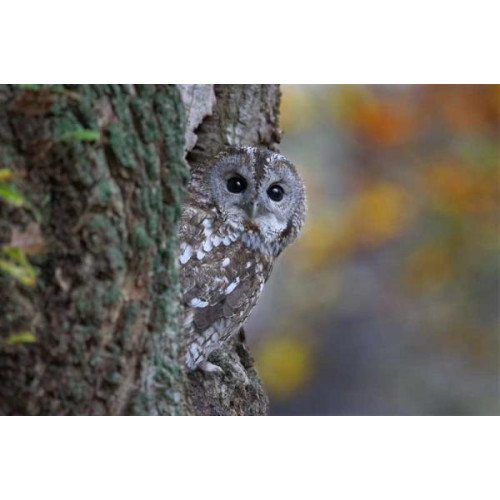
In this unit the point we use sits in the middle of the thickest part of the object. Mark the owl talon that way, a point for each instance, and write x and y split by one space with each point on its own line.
208 367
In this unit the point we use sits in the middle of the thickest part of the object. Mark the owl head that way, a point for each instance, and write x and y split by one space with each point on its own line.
257 192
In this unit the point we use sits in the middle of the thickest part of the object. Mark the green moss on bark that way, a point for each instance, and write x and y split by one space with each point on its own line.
108 260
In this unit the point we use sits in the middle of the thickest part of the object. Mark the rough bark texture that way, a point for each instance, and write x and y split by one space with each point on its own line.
102 174
242 115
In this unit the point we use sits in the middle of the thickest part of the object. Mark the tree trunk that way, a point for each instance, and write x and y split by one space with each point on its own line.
92 179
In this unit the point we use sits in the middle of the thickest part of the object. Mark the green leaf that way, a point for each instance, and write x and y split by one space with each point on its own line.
29 86
10 194
24 276
18 266
81 134
20 338
15 253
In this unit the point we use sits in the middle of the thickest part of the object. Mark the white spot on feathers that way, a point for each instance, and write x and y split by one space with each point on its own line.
232 286
207 225
186 253
198 303
207 245
200 254
226 262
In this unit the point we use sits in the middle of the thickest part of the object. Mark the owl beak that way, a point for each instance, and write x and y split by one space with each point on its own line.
251 210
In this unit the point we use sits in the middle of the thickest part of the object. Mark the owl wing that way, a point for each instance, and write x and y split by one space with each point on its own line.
221 276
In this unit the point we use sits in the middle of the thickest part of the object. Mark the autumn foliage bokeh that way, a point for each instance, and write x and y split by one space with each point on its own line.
389 301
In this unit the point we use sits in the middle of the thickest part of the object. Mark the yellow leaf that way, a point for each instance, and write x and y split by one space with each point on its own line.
284 364
5 174
20 338
379 212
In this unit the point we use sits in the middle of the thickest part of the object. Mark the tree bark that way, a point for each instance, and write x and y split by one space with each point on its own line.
93 178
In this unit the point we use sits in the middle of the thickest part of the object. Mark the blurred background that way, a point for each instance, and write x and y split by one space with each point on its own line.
389 301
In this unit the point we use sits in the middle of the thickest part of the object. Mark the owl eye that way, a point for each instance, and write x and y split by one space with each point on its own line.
276 192
236 184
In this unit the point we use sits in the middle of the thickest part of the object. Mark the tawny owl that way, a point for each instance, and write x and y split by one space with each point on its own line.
240 213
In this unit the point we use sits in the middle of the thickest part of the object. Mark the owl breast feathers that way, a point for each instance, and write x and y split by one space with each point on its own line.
240 213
